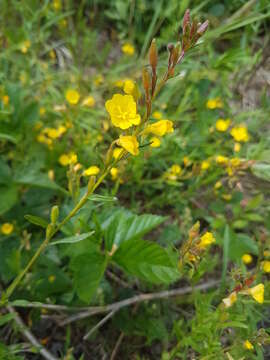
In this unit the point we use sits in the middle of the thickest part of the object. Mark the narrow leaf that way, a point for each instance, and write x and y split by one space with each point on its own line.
73 239
36 220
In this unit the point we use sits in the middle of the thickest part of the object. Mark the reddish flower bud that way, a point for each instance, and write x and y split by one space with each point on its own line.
202 28
153 55
186 20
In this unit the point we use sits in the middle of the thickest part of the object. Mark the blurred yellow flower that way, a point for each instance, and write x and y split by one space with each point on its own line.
237 147
206 240
91 171
160 128
25 46
129 143
57 5
218 185
240 133
235 162
227 197
186 161
155 142
51 278
214 103
98 80
257 292
89 101
123 112
117 153
247 259
220 159
72 96
266 266
42 111
51 174
175 169
5 99
222 125
248 346
205 165
157 115
119 83
129 87
67 159
114 173
7 228
230 300
128 49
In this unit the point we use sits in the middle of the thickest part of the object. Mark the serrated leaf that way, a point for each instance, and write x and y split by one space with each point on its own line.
36 220
126 226
73 239
148 261
88 272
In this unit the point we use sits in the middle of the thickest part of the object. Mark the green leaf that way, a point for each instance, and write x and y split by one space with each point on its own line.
148 261
261 170
36 220
8 197
240 245
233 324
88 271
73 239
102 198
8 137
6 318
37 179
124 226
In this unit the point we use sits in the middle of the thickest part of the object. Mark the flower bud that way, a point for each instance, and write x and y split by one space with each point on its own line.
146 81
186 20
54 214
153 55
49 231
90 184
202 28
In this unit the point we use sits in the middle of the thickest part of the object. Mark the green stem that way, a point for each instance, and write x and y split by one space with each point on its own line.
44 244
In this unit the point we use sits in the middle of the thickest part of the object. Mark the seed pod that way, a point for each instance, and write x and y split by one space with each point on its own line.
153 55
54 214
146 82
186 20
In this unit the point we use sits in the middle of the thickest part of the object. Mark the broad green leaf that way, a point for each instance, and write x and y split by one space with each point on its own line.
8 137
6 318
37 179
36 220
88 271
126 226
240 245
8 197
148 261
73 239
261 170
5 173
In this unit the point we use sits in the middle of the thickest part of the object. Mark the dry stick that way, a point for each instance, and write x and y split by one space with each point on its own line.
29 336
138 298
99 324
117 345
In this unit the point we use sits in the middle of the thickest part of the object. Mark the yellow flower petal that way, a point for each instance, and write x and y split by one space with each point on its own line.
257 292
240 133
159 128
7 228
129 143
128 49
247 259
155 142
72 97
248 346
91 171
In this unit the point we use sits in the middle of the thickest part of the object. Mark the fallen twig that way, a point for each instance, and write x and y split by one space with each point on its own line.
29 336
99 324
138 298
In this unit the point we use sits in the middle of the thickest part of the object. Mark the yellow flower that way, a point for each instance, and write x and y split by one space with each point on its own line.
220 159
247 259
89 101
72 96
57 4
67 159
7 228
214 103
248 346
237 147
227 197
257 292
266 253
240 133
222 125
42 111
114 173
206 240
128 49
91 171
51 278
5 99
155 142
157 115
129 87
119 83
205 165
129 143
117 152
266 266
186 161
123 112
25 46
98 79
52 133
51 174
230 300
175 169
159 128
218 185
235 162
